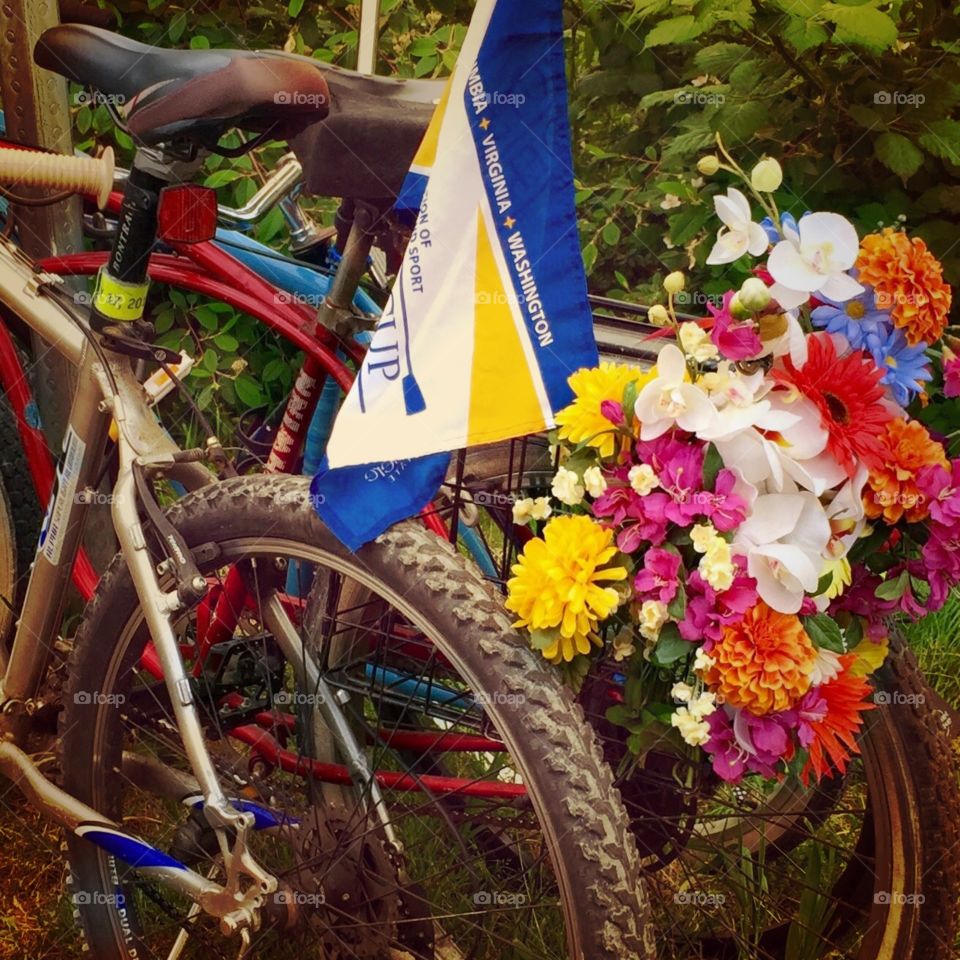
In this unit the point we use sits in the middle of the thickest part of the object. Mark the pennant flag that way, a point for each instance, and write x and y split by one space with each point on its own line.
488 315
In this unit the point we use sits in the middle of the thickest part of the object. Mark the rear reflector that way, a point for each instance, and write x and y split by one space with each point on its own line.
187 214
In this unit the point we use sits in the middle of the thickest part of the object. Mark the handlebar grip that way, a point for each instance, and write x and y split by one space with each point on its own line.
88 175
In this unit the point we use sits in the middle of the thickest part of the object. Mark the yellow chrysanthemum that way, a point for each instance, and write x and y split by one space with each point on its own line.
557 584
582 421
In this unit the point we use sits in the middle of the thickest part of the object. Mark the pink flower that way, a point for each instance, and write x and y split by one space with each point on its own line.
679 467
942 492
637 519
707 611
735 341
951 374
743 743
726 509
612 410
658 578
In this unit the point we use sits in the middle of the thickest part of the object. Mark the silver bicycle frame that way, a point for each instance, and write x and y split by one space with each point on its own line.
101 395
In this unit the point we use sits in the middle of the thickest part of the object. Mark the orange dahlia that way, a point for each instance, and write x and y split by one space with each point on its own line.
838 706
763 663
908 280
893 491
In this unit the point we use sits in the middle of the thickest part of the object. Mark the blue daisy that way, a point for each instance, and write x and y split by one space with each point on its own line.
905 368
859 320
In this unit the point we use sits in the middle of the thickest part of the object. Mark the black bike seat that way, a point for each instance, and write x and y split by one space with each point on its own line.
193 94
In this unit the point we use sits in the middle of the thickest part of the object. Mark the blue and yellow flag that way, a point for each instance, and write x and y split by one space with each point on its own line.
489 315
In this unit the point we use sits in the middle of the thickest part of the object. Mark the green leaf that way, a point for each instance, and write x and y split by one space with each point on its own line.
274 369
206 318
177 25
804 35
226 343
942 139
674 30
712 465
248 390
621 715
425 66
897 153
670 647
853 633
720 58
221 177
210 360
864 26
294 7
825 632
199 42
677 607
611 234
589 256
893 589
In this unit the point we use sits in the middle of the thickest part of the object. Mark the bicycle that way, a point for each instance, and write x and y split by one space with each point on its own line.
337 831
900 780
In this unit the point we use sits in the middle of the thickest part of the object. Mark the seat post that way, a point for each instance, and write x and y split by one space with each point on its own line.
336 311
122 285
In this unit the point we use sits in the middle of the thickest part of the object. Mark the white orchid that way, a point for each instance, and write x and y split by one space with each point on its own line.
670 399
739 400
794 453
739 234
815 259
784 539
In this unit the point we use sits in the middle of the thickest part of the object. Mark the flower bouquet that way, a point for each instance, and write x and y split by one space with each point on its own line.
740 522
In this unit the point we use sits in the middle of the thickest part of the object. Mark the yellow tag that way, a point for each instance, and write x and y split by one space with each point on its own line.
117 300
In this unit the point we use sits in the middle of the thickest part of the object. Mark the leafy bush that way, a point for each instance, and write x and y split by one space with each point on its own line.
855 98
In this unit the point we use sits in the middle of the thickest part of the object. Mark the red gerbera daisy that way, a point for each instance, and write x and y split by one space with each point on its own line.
835 709
847 392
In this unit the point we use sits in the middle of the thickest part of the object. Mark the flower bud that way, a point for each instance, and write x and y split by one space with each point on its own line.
675 282
708 165
766 176
737 310
658 315
754 294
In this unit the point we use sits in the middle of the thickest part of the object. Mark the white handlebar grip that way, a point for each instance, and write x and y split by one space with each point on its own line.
88 175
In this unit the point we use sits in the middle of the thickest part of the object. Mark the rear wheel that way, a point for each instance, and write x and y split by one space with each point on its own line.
513 847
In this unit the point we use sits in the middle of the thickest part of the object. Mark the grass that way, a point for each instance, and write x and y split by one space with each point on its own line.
36 921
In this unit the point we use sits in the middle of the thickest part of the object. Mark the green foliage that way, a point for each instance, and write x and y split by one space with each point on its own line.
855 98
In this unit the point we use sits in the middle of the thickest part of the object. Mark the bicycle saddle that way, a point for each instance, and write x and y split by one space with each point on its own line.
193 94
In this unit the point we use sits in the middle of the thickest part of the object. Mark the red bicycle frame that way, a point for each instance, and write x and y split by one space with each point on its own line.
205 268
